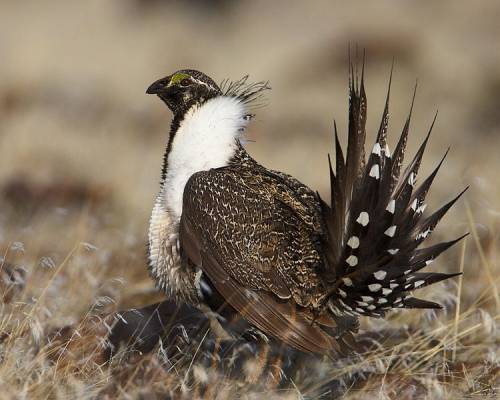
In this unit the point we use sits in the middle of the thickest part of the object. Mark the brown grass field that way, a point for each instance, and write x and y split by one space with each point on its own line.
80 155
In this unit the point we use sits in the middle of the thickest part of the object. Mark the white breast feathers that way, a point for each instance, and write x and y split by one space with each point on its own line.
206 139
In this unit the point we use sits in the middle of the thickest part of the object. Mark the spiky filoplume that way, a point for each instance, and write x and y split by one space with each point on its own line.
250 242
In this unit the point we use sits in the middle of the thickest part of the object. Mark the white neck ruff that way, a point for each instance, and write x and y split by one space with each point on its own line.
206 139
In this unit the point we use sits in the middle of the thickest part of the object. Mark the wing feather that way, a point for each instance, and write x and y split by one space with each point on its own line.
238 267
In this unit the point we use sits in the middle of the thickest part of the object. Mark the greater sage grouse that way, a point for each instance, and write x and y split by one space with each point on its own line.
226 230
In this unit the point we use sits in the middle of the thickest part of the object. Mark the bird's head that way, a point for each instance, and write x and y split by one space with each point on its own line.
183 89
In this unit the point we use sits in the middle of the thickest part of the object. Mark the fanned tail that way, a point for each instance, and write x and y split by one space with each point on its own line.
376 221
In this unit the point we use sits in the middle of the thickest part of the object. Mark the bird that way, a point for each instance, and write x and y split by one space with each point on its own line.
228 234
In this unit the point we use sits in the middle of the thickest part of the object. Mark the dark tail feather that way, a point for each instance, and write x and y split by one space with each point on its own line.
399 152
425 256
375 220
428 225
413 302
355 159
419 196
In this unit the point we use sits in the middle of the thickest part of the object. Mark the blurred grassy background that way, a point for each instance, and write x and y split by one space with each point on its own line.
81 144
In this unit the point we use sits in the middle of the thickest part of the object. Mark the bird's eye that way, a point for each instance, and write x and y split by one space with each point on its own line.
185 82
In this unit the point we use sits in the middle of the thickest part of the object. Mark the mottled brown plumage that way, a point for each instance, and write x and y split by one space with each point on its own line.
260 247
257 243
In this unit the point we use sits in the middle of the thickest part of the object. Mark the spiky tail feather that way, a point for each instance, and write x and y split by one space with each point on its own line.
376 221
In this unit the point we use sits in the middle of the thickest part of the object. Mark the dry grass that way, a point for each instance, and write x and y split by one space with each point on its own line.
412 354
81 147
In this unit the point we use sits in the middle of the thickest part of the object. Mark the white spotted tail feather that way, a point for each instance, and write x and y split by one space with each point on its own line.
375 221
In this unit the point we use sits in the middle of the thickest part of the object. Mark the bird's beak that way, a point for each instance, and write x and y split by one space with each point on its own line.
159 86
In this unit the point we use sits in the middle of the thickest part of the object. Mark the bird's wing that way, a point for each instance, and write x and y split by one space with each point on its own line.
257 243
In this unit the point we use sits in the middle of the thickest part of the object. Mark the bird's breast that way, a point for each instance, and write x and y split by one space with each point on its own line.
165 264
